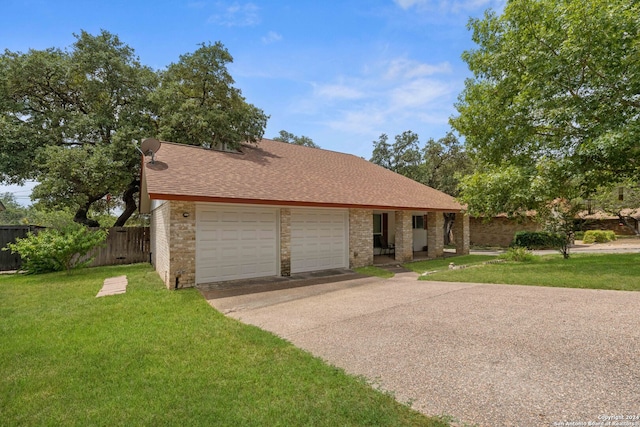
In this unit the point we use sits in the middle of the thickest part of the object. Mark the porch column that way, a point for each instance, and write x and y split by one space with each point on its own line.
360 237
461 233
285 242
435 234
404 236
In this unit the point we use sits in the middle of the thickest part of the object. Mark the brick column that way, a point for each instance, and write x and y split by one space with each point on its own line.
285 242
404 236
360 237
461 233
182 258
435 234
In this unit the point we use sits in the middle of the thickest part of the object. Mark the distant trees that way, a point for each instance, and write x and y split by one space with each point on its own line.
68 118
438 163
290 138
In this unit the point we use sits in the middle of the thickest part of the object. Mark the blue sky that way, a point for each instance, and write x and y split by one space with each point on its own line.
341 73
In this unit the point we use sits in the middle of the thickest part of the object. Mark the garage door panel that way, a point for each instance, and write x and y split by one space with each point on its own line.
235 243
318 240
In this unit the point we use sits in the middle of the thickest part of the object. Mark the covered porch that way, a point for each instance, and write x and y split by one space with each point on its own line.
405 235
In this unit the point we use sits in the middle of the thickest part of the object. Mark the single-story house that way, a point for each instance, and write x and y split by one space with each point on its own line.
276 209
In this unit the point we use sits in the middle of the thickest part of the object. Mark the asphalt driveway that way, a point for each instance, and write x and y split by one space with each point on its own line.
490 355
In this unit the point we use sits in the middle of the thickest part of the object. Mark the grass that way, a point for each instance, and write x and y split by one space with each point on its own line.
374 271
443 263
593 271
158 357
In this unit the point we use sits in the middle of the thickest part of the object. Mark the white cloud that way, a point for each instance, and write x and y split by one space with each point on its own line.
418 93
271 37
236 15
456 6
337 91
405 68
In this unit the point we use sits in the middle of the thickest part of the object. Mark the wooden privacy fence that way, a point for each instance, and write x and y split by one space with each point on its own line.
124 245
9 234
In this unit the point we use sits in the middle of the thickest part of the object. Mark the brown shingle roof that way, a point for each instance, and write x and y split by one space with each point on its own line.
284 174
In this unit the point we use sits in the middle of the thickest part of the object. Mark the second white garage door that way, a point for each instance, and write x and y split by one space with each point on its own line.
235 243
318 239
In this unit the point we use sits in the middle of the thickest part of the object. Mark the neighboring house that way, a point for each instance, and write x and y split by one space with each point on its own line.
276 209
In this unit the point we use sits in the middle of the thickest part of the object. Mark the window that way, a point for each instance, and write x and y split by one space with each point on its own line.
377 224
418 222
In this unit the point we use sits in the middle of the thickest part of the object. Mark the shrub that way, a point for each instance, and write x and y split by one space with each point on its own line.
579 235
518 254
599 236
57 250
537 240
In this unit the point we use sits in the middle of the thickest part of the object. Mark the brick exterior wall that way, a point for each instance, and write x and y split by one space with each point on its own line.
461 233
360 237
173 243
404 236
435 234
183 243
498 231
285 242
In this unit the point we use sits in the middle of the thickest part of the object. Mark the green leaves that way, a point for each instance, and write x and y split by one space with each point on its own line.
552 110
197 104
57 249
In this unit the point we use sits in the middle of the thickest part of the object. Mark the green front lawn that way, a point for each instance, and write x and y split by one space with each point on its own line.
158 357
594 271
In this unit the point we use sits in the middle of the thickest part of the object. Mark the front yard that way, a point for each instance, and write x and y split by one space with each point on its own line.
158 357
594 271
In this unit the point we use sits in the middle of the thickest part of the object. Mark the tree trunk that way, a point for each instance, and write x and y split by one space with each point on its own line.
625 220
81 214
130 203
449 219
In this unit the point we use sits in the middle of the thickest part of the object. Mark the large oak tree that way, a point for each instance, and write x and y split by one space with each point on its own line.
68 118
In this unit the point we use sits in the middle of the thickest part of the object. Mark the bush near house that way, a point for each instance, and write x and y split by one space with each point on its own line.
537 240
57 249
598 236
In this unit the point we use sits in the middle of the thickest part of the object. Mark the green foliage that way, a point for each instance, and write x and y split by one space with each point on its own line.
551 111
598 236
517 254
537 240
579 235
197 104
57 249
439 164
290 138
67 119
13 213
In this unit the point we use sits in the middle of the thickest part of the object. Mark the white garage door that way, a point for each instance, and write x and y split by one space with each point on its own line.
235 243
318 239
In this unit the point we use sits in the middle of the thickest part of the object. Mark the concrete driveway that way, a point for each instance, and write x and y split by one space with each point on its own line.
489 355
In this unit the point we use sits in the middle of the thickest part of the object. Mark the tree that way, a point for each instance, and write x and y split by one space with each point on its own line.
290 138
445 161
621 200
67 120
403 156
13 212
197 104
555 81
551 112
